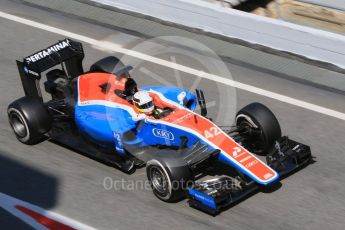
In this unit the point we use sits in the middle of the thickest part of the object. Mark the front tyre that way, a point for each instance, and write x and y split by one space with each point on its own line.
168 183
29 120
160 180
261 127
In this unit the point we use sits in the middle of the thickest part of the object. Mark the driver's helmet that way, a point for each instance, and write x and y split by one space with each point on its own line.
143 102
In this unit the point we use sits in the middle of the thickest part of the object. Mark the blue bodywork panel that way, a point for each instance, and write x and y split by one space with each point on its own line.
106 126
203 198
172 93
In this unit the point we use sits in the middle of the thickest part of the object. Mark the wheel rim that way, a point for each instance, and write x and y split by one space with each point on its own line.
159 180
18 125
255 145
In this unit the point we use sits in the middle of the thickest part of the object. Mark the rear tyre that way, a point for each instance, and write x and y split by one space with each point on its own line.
264 126
29 120
108 64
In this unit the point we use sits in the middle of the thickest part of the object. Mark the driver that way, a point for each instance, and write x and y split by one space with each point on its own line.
144 104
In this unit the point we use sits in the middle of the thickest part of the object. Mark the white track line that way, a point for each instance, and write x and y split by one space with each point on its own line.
116 48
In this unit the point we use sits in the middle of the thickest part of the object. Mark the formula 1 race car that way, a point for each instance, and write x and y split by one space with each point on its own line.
102 113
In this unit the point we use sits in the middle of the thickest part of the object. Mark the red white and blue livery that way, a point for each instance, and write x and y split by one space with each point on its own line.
103 113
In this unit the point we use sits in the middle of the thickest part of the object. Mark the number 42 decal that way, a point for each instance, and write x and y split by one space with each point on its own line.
211 132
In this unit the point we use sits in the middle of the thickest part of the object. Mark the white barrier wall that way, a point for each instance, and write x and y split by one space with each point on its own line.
336 4
308 42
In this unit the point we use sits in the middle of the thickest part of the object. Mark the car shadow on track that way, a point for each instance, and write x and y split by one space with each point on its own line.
27 184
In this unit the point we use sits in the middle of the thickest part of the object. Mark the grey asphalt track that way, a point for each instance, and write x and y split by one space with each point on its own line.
70 184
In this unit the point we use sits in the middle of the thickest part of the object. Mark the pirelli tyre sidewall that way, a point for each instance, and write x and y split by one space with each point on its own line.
29 120
168 180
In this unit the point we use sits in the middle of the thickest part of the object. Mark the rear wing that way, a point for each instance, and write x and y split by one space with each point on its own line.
67 53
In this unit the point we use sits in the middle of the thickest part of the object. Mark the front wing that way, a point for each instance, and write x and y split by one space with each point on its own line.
213 195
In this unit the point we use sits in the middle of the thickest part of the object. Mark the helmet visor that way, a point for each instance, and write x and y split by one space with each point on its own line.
145 106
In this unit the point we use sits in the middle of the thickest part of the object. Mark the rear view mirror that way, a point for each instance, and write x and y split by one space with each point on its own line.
139 117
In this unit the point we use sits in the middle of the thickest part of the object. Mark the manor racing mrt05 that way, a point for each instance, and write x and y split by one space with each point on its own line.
102 113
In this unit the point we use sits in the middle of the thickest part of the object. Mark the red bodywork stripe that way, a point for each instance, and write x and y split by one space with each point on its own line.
213 134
